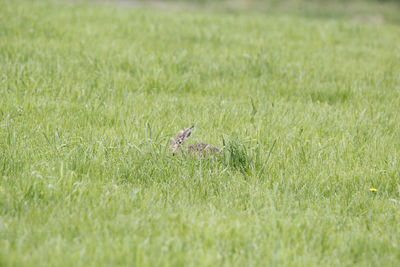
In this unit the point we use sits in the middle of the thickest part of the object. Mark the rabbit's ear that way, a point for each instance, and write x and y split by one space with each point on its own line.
172 142
173 146
188 131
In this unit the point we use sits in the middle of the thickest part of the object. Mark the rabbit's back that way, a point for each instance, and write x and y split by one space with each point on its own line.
203 148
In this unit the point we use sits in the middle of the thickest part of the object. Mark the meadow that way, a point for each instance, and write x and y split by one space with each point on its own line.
306 109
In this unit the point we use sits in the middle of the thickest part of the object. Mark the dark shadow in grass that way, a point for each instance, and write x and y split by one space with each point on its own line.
330 98
236 155
246 159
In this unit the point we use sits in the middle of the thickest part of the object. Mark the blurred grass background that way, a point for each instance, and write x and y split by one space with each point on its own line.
363 11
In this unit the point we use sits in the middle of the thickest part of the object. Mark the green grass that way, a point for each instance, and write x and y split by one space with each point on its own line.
306 108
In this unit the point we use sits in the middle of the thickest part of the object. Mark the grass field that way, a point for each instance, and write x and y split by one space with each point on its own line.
306 108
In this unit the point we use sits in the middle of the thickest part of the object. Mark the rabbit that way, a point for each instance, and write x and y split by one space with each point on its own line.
178 144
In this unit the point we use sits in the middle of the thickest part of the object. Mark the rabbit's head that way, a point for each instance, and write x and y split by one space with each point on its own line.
180 139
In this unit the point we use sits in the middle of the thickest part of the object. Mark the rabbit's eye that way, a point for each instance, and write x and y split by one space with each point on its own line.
180 141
